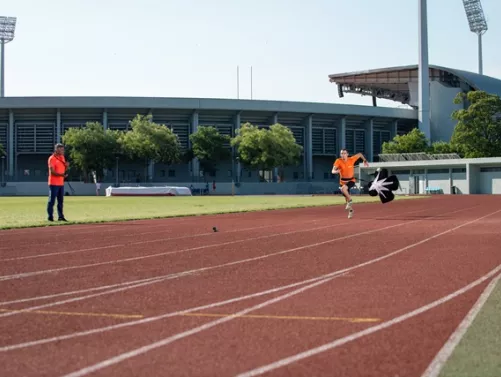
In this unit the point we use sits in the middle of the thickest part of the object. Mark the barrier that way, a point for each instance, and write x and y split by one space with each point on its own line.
148 191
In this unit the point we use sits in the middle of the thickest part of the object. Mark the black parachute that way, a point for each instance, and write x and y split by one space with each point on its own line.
383 185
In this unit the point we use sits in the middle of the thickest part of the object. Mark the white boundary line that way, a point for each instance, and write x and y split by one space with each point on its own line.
195 330
368 331
152 279
138 351
162 239
446 351
189 272
150 319
116 261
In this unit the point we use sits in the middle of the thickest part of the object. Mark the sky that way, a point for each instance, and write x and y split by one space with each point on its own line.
191 48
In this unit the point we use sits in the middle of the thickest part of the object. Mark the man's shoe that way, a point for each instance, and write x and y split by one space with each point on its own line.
62 219
50 219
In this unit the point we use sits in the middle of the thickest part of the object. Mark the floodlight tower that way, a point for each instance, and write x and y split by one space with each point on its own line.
423 72
7 28
478 25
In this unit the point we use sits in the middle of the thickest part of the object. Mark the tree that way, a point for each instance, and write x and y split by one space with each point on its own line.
478 131
443 147
92 148
151 142
2 150
412 142
266 149
208 146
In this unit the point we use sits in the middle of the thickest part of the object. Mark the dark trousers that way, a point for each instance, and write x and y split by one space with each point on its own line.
55 192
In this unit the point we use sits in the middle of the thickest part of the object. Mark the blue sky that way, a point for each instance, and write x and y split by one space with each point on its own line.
191 48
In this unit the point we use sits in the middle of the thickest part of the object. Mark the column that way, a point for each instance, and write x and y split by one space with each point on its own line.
10 145
274 120
236 125
105 119
451 181
308 148
369 137
394 129
341 133
151 164
195 163
59 134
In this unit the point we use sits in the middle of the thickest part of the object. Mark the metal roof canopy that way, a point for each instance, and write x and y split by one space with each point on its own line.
393 83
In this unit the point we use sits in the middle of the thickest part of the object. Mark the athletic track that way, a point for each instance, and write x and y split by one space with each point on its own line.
302 292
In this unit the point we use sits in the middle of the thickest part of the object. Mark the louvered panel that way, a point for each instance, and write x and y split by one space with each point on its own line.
359 142
225 130
385 136
350 140
182 130
3 135
330 141
45 137
25 138
119 126
67 125
317 141
298 133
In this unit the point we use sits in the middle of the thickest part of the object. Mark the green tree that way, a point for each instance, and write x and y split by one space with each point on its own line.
2 150
92 148
151 142
412 142
443 147
210 148
478 131
265 149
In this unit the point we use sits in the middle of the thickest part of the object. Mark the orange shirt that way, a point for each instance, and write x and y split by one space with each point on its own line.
58 163
346 169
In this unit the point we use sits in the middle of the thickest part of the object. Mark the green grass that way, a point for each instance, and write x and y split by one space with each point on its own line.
479 351
21 212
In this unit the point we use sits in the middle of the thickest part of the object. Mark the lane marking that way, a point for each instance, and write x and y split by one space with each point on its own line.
446 351
241 261
79 314
41 272
342 341
287 317
141 234
152 279
138 351
127 355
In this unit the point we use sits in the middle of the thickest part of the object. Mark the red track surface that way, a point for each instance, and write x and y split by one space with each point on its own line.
392 268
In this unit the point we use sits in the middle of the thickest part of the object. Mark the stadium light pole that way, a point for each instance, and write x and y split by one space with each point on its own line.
478 25
424 74
7 28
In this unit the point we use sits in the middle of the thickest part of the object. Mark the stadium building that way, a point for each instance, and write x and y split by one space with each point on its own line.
30 126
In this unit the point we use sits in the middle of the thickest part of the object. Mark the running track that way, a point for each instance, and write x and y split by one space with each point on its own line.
303 292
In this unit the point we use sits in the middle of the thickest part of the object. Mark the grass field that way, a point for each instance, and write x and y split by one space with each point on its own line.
479 351
18 212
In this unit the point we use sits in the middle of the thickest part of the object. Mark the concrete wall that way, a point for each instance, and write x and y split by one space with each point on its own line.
489 182
441 108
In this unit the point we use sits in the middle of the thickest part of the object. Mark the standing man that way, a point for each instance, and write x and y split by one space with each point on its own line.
345 167
57 172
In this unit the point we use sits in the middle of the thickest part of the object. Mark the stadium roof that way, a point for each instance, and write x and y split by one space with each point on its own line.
393 83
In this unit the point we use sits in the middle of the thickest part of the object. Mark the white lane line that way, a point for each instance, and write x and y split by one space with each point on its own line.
190 272
163 239
443 355
155 278
116 261
138 351
368 331
195 330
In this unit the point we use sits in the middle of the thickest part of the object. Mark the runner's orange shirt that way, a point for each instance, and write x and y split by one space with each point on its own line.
346 169
58 163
